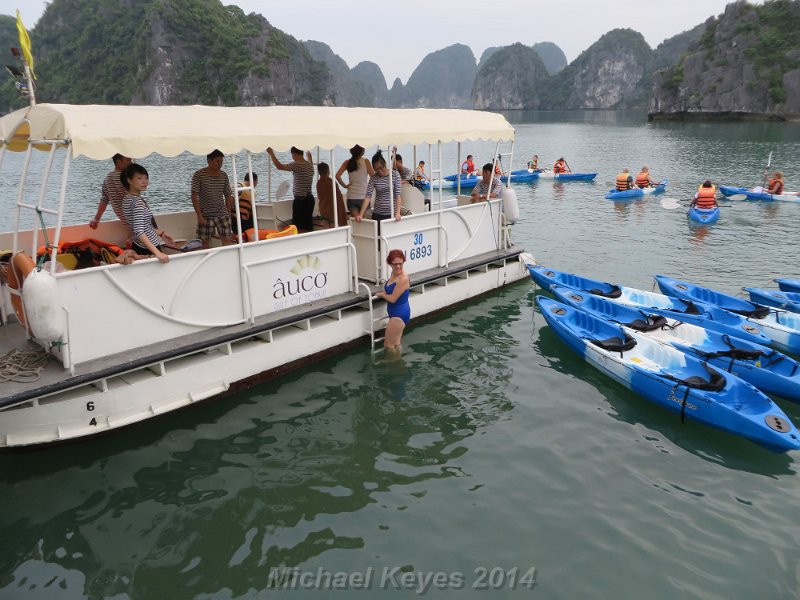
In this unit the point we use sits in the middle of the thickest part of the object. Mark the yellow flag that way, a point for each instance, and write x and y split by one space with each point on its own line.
25 43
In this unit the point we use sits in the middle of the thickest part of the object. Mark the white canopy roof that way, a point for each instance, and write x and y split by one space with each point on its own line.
99 132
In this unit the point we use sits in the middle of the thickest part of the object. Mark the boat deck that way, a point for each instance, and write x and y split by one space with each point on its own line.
54 378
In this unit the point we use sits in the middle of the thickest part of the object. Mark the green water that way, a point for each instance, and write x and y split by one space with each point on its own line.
488 448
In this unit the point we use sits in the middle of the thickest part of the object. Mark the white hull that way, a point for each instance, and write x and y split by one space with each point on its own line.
162 386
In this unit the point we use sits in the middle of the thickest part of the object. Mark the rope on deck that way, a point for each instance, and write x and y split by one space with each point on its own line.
23 365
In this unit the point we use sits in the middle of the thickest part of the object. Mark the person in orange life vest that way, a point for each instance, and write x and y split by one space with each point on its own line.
560 166
643 179
706 196
624 180
468 166
776 183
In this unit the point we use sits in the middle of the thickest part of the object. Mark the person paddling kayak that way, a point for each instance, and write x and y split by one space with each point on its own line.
706 196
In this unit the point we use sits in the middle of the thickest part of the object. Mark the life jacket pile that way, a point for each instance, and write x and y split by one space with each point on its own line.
84 253
623 182
706 197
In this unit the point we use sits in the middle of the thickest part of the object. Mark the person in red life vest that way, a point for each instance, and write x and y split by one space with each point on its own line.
468 166
776 183
706 196
624 180
643 179
560 166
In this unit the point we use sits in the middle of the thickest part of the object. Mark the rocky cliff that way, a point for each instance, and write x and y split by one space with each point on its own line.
511 78
371 76
443 79
746 64
171 52
607 75
349 90
552 56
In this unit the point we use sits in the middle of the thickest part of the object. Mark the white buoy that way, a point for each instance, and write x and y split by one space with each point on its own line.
43 306
510 205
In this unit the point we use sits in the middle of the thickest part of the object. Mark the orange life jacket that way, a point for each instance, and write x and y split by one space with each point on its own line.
706 197
560 167
497 170
643 179
468 167
623 182
775 186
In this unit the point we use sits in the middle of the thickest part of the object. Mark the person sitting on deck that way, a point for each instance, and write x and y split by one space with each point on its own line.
624 180
706 196
560 166
481 191
147 240
468 166
419 172
643 179
775 185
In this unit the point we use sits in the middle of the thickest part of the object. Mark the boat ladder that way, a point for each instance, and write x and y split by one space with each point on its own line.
373 321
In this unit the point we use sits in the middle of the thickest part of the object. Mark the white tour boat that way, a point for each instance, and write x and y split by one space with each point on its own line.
128 342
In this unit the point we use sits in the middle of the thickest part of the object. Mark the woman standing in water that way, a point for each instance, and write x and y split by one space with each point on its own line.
395 292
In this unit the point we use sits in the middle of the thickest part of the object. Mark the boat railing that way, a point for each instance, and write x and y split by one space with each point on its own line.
148 302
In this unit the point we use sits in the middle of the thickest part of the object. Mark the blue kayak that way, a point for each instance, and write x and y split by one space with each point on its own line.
463 176
777 298
788 285
706 216
696 313
467 184
672 379
524 176
636 192
769 370
758 194
782 327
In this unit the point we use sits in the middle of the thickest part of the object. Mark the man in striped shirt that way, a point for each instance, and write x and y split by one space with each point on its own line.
212 199
303 171
481 191
112 192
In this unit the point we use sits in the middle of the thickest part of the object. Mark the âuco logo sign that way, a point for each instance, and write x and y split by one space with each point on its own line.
306 281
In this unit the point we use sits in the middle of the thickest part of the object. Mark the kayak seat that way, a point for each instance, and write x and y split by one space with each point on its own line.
649 323
615 344
691 309
615 292
757 313
714 383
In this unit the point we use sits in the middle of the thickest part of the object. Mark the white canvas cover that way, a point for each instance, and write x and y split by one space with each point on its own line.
98 131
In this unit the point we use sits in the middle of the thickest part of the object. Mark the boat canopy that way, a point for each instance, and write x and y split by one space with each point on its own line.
99 131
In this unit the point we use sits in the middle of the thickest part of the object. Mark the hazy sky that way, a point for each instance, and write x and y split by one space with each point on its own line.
397 35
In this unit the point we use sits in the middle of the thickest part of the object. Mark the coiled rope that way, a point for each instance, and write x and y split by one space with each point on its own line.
23 365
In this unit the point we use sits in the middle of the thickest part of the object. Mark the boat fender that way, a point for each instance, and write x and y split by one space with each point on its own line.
510 205
21 267
43 306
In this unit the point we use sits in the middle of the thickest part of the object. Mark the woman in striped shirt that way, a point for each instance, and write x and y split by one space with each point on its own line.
379 182
146 240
